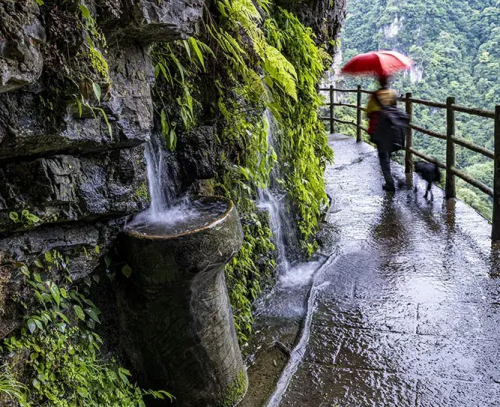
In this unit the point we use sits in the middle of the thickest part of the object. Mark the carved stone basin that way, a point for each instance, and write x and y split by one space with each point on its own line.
174 310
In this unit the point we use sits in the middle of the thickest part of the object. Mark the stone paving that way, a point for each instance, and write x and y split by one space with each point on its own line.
408 313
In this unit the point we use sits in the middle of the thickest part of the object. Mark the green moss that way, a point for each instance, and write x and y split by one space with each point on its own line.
142 193
279 71
235 391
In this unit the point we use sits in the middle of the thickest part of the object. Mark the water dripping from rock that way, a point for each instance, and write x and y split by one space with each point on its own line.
273 200
169 213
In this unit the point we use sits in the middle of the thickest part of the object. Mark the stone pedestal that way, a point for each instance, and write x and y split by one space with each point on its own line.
175 316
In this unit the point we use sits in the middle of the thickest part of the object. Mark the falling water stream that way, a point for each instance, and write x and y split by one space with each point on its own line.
271 200
168 215
294 293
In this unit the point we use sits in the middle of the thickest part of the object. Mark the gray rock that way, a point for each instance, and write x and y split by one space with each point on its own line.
196 154
78 241
69 188
21 34
148 21
27 129
325 17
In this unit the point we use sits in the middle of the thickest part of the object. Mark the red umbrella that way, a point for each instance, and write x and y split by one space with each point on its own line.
378 63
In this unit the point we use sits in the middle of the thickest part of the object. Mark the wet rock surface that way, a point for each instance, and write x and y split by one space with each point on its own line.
68 188
72 164
148 21
406 314
21 35
325 17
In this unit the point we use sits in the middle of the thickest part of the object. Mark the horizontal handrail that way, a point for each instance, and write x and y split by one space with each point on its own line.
428 132
428 103
363 109
474 147
474 111
344 104
450 137
338 90
427 158
462 109
478 184
344 122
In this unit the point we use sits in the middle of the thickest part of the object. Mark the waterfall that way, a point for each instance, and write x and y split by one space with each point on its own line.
160 194
167 208
273 201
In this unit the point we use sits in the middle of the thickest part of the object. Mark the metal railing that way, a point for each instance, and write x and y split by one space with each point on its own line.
450 138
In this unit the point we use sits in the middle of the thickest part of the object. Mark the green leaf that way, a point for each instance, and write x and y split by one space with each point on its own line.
85 11
79 312
97 91
194 44
31 325
108 124
123 373
64 293
56 294
48 257
107 260
38 324
82 391
62 316
24 270
80 107
33 218
127 271
92 314
14 216
164 122
97 250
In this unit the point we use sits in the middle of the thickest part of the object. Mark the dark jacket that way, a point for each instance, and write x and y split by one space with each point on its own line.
389 134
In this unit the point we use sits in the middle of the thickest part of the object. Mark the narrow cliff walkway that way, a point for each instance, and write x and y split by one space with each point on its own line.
408 314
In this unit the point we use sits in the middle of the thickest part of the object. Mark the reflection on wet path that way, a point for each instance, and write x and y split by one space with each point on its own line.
408 313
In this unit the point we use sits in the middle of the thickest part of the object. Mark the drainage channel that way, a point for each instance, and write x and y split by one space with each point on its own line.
297 354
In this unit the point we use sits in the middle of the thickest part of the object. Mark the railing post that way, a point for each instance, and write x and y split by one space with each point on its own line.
409 137
450 149
358 117
495 233
332 123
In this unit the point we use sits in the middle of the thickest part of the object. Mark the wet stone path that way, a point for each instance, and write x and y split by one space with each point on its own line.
408 311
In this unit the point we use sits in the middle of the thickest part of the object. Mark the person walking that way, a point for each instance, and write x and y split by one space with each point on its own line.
379 128
387 122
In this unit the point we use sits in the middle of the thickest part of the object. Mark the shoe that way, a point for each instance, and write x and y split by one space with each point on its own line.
389 188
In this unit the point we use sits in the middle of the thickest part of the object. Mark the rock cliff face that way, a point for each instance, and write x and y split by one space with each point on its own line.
68 181
325 17
72 167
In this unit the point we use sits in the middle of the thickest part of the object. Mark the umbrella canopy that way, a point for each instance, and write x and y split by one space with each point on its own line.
378 63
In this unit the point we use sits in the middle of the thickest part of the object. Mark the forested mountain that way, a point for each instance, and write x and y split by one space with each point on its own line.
456 48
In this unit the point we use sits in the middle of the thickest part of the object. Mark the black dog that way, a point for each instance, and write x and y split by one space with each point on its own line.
429 172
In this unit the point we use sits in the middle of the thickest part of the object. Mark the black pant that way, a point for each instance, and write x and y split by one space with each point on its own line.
385 164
